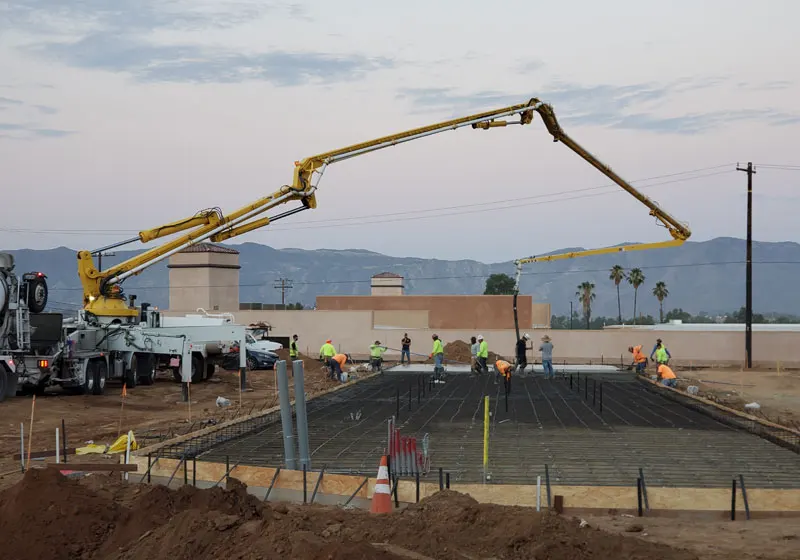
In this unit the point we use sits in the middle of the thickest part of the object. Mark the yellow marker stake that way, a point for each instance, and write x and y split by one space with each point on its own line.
485 437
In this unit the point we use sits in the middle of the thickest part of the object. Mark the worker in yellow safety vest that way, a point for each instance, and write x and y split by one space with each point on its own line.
437 354
483 354
376 355
326 353
293 347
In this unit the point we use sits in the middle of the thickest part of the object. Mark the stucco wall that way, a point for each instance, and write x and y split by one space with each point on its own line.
196 280
353 331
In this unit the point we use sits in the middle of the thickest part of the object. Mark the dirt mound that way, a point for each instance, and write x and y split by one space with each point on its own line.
49 516
460 351
310 365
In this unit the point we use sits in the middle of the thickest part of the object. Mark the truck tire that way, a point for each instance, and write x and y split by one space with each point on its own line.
3 383
198 368
210 369
146 370
100 376
131 373
87 388
37 295
176 375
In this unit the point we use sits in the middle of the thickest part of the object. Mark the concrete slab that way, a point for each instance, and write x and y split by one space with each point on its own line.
559 423
558 368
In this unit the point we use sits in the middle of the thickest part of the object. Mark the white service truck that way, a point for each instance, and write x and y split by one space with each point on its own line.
80 354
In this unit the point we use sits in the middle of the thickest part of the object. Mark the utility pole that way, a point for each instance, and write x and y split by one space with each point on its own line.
748 305
570 314
283 284
100 256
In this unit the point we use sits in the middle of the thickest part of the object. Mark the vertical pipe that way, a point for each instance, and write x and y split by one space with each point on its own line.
547 483
644 489
300 412
447 481
149 466
570 381
286 415
58 448
185 472
305 484
639 496
416 478
64 439
538 493
733 500
22 445
485 437
744 498
194 472
441 479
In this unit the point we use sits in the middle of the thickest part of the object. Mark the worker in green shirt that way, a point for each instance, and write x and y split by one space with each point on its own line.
376 355
326 354
483 354
438 355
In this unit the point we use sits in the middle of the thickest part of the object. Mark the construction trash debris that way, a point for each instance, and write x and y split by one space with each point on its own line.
752 406
223 402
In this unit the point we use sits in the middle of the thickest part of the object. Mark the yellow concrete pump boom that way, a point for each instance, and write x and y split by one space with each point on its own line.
102 293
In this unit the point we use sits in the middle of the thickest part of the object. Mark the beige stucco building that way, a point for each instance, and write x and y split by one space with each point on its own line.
207 276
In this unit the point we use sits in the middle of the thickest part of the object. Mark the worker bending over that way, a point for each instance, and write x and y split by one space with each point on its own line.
376 355
639 359
337 363
483 354
326 354
667 376
503 368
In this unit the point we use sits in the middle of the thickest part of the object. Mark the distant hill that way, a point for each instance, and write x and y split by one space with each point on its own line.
696 275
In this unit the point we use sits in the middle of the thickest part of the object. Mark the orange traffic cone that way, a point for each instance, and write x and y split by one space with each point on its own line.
381 497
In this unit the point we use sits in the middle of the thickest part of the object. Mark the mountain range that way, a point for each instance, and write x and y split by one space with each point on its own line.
707 276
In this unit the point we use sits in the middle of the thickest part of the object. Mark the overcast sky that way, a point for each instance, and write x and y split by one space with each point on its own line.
121 115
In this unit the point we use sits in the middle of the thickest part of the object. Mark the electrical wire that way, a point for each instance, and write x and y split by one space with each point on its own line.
465 276
418 214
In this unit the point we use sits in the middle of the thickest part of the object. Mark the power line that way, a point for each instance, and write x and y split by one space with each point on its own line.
418 214
465 276
284 285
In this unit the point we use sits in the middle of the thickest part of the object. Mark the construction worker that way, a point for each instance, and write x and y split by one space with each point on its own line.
658 345
405 349
483 354
522 349
326 353
503 368
546 349
667 376
474 354
662 356
639 359
376 355
337 363
437 354
293 347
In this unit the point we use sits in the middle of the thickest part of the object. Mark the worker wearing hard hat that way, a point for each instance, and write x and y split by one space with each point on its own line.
639 359
667 376
503 368
337 363
522 349
376 355
483 354
326 353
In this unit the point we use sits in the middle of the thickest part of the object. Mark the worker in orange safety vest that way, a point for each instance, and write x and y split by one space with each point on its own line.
639 359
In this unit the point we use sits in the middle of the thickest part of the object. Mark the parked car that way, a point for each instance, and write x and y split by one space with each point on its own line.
256 359
261 345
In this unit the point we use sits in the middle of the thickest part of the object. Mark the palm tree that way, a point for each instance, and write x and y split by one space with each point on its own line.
618 275
661 292
585 295
635 279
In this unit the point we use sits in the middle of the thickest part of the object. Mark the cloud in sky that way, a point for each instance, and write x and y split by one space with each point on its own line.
605 105
28 131
114 36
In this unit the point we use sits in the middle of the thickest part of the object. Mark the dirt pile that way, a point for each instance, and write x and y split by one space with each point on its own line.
310 365
460 351
49 516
